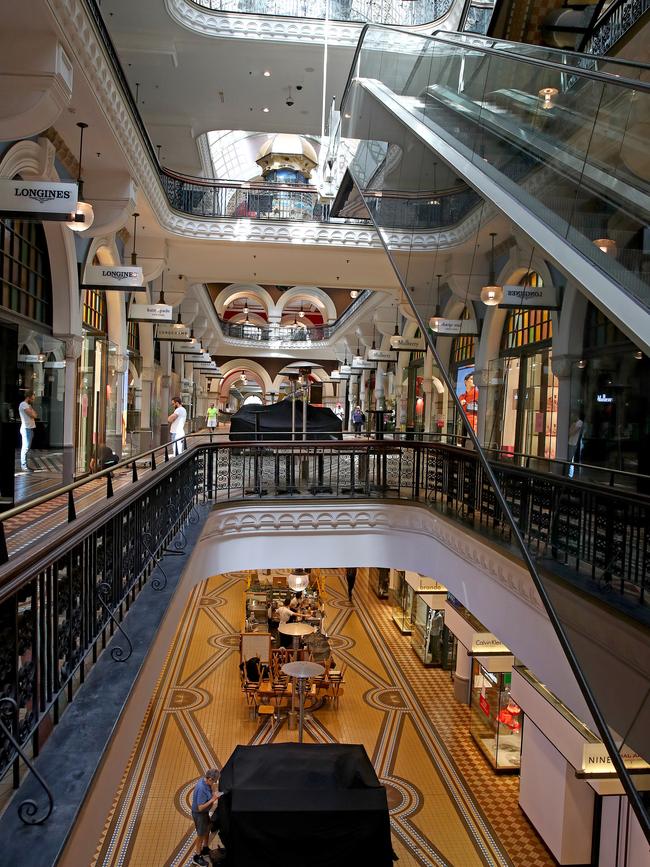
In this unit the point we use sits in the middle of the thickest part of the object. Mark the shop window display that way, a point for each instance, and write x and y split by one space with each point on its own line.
401 597
495 718
430 638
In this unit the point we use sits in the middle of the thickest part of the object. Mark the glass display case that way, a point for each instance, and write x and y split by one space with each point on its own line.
402 600
380 582
495 718
430 638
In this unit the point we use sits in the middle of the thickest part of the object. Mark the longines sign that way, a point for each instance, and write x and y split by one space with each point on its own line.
114 277
38 197
529 296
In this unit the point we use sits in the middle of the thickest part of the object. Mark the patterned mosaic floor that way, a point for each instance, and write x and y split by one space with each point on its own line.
404 715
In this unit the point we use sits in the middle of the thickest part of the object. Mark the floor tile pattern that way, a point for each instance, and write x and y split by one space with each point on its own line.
197 715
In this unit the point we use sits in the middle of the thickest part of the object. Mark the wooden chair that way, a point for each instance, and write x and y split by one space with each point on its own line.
336 679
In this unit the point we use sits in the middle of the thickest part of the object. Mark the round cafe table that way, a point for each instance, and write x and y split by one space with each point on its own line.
297 630
302 672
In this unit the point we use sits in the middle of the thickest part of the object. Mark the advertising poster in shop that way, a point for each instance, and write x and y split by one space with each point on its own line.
468 394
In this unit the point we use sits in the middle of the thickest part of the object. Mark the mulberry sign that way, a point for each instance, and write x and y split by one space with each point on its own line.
114 277
38 197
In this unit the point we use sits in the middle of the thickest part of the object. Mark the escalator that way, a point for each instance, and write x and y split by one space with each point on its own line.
548 149
543 136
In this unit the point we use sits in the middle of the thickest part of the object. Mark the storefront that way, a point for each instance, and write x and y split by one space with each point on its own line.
430 638
134 390
31 359
523 387
495 717
610 387
461 371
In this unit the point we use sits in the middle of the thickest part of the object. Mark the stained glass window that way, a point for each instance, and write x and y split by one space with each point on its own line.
463 347
93 310
26 285
527 325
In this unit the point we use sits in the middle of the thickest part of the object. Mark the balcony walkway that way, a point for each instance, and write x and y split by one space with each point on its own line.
447 805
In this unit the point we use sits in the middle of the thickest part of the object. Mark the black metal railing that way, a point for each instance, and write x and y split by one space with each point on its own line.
605 30
62 600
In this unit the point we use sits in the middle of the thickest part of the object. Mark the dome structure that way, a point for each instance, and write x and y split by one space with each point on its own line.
287 151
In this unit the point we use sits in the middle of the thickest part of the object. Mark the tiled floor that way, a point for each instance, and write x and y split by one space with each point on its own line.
415 733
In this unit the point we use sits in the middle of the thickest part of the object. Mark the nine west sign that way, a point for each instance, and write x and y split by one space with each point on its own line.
38 197
115 277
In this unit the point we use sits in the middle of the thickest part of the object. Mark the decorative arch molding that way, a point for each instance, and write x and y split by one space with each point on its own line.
34 160
235 364
105 249
253 319
313 294
244 290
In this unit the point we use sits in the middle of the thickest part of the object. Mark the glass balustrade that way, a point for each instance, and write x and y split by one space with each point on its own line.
567 145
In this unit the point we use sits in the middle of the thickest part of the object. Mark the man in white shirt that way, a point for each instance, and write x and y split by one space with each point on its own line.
177 424
27 424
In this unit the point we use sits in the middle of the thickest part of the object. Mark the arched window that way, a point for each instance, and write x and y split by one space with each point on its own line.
526 325
25 270
463 347
93 311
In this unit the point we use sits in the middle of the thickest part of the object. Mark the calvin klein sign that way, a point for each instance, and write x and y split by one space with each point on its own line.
150 313
38 197
114 277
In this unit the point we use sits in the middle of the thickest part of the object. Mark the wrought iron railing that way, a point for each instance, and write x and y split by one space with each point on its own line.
61 601
402 13
291 334
606 29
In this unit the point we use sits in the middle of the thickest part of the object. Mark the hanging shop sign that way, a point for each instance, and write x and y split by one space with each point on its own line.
339 375
150 313
188 348
406 344
360 363
381 355
485 643
114 277
530 296
345 370
173 333
452 326
55 365
43 198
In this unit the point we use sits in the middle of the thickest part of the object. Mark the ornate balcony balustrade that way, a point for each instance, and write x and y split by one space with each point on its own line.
397 12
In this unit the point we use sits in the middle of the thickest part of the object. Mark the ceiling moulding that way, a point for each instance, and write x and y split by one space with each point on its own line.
230 25
85 45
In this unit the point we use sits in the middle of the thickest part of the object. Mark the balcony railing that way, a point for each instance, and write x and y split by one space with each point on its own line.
290 334
402 13
61 600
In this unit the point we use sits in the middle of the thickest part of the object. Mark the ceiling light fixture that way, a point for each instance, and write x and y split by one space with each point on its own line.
161 297
606 245
298 580
267 73
582 363
134 255
266 110
354 293
84 209
179 322
638 355
492 294
302 312
547 94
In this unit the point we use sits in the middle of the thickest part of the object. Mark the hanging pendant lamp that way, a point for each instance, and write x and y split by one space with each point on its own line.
84 209
492 294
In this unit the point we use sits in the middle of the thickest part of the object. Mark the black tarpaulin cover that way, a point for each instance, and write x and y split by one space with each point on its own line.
275 422
303 805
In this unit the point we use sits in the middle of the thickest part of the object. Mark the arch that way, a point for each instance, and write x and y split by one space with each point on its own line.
313 294
235 364
253 319
243 290
105 249
35 161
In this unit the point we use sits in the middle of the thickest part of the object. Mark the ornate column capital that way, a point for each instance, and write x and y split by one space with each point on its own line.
147 374
73 345
481 377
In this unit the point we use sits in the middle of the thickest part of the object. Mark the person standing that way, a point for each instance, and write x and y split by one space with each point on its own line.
358 418
350 577
27 424
177 424
575 442
204 798
211 415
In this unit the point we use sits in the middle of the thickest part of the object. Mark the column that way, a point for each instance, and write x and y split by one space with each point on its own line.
118 364
73 345
462 674
380 380
165 396
562 366
146 381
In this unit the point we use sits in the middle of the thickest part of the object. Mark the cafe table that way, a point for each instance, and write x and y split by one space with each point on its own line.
301 672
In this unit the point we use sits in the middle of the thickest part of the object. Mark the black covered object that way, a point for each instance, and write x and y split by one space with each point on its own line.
303 805
274 421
